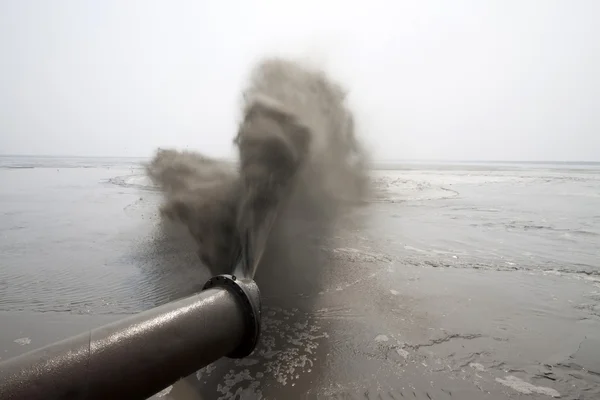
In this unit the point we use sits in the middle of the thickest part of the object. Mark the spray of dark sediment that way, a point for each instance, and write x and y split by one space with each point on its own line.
301 165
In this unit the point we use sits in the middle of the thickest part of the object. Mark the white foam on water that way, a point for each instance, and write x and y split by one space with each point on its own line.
403 353
477 366
23 341
525 387
139 180
164 392
287 351
206 370
382 338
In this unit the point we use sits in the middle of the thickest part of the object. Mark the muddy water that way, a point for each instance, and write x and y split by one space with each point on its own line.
461 282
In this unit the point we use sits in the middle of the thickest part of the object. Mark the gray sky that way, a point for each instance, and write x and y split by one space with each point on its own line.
502 80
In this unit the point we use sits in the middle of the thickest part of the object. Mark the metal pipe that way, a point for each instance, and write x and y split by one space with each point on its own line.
139 356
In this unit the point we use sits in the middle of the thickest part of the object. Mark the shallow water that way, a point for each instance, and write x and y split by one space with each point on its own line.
69 235
518 218
461 281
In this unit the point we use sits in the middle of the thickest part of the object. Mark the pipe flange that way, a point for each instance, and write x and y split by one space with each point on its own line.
248 295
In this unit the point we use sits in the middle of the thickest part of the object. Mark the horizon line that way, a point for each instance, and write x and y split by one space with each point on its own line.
383 160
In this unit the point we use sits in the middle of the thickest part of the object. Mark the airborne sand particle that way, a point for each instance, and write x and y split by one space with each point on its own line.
300 164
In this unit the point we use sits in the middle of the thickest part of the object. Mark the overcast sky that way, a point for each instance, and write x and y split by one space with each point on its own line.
454 80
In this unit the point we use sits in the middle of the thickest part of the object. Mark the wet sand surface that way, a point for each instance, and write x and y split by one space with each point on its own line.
456 282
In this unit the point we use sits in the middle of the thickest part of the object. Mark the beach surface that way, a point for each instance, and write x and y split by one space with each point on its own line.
457 281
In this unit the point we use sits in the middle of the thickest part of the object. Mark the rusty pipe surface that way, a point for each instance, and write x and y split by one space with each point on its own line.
139 356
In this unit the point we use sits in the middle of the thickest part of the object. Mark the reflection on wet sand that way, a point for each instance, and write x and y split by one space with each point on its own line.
435 298
369 324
